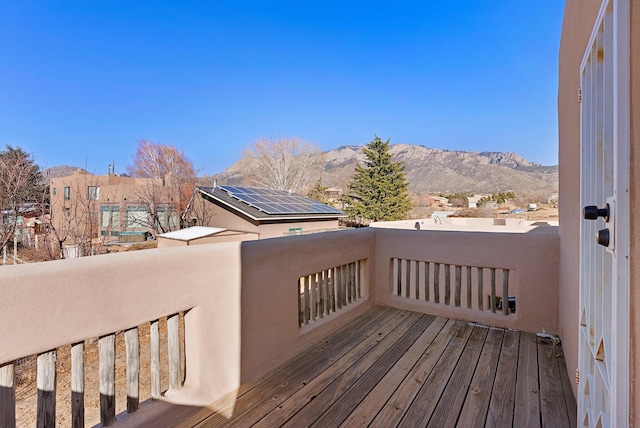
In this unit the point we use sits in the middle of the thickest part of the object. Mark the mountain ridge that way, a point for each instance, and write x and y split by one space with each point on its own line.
432 170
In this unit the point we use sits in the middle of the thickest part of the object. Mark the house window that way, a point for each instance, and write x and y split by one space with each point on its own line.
110 217
137 216
67 193
54 191
93 193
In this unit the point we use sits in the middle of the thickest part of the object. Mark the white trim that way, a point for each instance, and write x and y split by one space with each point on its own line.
620 298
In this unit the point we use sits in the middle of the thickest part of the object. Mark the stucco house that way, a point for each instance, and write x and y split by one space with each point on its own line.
90 206
267 213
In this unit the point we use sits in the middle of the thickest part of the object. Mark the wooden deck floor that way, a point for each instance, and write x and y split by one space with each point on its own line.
397 368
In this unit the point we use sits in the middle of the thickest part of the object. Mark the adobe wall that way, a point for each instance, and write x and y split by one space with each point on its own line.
579 19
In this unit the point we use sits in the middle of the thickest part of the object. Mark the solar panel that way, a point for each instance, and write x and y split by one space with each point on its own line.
278 201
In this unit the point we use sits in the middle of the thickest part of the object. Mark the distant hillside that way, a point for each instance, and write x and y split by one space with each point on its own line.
58 171
436 170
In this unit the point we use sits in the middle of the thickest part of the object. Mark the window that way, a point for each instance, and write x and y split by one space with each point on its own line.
93 193
110 217
67 193
137 216
54 191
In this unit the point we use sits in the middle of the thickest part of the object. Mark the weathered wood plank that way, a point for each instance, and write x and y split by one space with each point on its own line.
369 407
46 383
132 349
77 385
7 396
107 369
456 390
154 334
503 395
569 398
552 406
474 408
422 407
334 403
291 377
342 407
323 390
527 405
173 344
394 408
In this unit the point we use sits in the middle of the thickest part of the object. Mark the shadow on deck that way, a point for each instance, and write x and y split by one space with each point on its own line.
398 368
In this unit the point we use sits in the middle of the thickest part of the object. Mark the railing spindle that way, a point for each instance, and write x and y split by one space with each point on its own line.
107 368
7 396
447 284
493 290
458 285
407 284
469 287
46 382
132 345
155 360
399 277
480 287
173 344
77 385
505 291
426 280
436 282
418 280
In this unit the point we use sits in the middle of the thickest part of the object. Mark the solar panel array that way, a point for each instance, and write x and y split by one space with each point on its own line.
278 201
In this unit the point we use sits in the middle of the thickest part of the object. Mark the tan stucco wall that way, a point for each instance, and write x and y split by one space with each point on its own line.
579 19
276 230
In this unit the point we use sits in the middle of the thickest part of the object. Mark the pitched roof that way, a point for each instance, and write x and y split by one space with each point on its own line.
266 204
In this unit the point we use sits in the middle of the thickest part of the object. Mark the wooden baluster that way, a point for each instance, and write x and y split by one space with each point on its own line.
426 281
505 291
155 360
407 285
77 385
458 294
173 343
436 282
398 277
7 396
107 368
358 273
418 264
307 307
480 287
492 298
447 284
46 382
469 298
300 297
132 345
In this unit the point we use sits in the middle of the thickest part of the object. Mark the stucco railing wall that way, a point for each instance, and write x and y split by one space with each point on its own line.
532 259
271 270
242 297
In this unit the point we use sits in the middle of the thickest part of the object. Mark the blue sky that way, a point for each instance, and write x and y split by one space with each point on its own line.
81 82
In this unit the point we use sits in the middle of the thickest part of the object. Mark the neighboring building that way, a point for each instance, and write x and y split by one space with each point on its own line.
267 213
85 206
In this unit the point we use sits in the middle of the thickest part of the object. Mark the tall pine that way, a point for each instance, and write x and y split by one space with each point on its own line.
379 189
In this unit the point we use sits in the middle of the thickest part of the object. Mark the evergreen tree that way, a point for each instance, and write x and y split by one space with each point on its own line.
379 189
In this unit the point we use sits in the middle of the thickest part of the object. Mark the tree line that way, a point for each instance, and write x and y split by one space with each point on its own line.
377 191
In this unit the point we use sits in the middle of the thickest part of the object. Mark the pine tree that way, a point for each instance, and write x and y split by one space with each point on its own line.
379 189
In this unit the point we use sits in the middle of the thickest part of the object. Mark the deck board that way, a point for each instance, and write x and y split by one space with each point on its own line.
399 368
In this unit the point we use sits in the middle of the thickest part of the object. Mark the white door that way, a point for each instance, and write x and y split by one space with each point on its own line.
604 232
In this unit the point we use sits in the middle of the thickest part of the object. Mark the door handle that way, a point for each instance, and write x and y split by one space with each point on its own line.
592 212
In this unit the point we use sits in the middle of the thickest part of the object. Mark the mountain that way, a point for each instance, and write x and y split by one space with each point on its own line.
58 171
437 171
